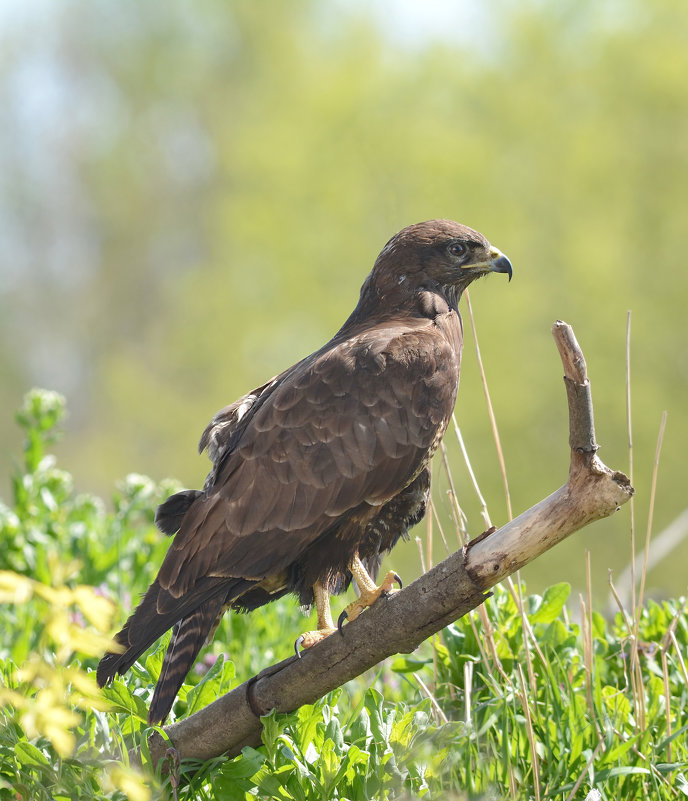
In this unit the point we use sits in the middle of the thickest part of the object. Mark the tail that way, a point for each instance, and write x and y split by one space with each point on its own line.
140 631
192 615
187 640
147 624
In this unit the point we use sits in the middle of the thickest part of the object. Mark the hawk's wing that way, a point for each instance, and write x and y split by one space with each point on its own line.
351 424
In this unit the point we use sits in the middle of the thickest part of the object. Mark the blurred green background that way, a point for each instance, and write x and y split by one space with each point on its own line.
192 194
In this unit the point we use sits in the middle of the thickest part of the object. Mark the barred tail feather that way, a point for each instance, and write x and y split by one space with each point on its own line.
187 640
147 624
140 631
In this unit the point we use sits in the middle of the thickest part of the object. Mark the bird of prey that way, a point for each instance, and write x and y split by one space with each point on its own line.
319 471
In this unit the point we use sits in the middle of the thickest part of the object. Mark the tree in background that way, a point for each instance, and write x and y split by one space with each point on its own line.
191 199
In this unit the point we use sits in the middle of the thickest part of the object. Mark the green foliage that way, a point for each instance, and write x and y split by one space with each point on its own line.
582 710
570 704
55 534
54 731
381 751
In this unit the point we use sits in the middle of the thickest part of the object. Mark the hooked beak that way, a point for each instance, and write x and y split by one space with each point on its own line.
499 262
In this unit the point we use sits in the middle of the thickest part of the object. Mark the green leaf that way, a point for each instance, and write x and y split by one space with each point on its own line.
28 754
125 701
404 664
272 786
552 603
244 766
629 770
334 733
599 626
154 660
355 756
271 731
678 733
211 686
309 728
360 728
329 763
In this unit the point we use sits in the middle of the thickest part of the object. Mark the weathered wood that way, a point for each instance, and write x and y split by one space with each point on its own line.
391 626
402 621
592 492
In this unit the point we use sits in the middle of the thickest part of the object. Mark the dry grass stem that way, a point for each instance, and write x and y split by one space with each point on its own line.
588 662
468 685
619 603
630 453
438 522
667 700
588 584
441 717
662 546
460 519
584 772
529 638
668 641
637 681
483 505
679 656
490 410
419 545
486 635
634 666
428 538
530 733
650 514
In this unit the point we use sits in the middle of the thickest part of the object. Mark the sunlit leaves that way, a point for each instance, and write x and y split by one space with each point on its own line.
548 608
45 689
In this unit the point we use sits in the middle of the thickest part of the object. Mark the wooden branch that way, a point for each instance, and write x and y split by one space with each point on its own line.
402 621
592 492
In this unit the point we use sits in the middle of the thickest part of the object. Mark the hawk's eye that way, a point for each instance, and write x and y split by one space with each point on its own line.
458 249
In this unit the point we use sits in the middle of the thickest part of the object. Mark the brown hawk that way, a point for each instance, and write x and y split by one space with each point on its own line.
319 471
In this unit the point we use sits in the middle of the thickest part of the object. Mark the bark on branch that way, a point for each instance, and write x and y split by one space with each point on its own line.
402 621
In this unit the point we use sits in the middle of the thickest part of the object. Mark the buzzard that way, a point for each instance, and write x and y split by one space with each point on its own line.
319 471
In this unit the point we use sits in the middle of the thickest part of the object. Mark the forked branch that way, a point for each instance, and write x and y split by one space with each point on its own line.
399 623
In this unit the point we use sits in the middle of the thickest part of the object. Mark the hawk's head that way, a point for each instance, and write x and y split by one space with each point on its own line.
439 252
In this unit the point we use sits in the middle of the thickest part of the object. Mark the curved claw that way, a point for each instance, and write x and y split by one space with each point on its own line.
340 622
397 580
299 642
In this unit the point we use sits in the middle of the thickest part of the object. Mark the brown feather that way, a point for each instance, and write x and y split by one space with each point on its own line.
188 637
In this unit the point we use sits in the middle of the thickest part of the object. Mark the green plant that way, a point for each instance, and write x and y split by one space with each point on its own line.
516 700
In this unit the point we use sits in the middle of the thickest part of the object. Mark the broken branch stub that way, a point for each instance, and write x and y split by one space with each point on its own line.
443 594
579 396
592 492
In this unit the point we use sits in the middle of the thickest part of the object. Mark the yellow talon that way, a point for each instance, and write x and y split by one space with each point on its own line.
310 638
369 592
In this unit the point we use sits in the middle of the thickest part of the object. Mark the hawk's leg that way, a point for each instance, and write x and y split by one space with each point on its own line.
325 622
369 592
